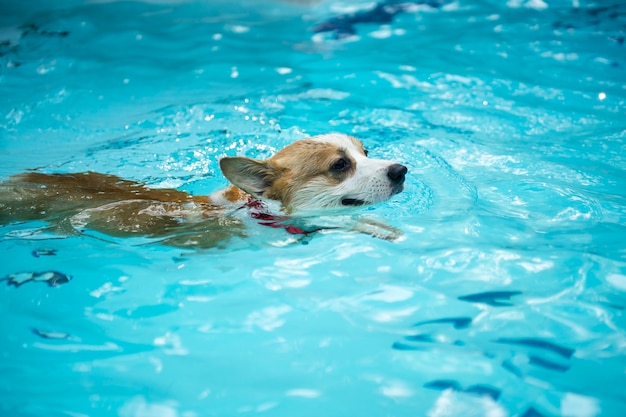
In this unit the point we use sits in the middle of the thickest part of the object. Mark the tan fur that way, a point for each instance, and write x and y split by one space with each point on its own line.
119 207
290 168
308 161
234 194
116 207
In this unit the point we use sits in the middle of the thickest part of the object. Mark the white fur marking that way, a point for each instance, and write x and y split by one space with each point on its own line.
369 182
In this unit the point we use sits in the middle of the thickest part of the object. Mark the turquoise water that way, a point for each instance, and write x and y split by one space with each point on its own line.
506 297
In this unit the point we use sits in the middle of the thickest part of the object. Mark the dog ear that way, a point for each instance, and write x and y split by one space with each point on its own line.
252 176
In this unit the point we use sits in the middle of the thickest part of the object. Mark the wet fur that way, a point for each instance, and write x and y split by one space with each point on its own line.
72 203
299 178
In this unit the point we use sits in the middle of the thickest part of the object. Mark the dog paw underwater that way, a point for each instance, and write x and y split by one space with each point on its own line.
312 185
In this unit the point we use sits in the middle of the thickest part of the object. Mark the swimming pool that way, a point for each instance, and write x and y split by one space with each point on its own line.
505 298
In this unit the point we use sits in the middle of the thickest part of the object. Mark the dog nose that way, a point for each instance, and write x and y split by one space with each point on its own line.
396 173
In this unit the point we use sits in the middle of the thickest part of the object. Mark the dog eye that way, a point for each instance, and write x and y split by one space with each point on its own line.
366 152
340 165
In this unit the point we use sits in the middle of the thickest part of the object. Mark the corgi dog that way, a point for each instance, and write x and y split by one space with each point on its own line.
313 177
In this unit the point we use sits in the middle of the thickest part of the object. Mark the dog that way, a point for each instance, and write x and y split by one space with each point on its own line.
317 177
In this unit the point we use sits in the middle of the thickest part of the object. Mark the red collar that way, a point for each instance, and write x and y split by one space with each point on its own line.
259 210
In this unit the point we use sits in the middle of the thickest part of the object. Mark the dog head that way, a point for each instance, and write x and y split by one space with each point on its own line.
323 172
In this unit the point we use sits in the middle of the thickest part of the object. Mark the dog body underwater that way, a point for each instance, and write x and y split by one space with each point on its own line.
324 174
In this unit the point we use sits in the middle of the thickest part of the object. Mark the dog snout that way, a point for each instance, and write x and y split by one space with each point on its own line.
396 173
